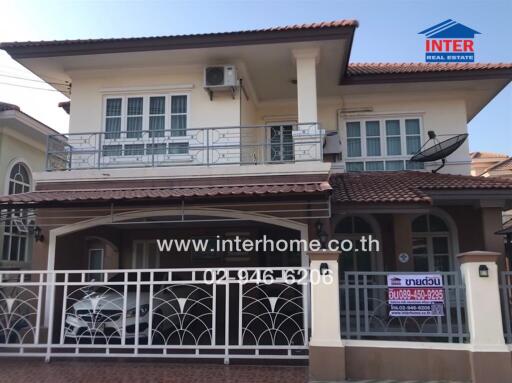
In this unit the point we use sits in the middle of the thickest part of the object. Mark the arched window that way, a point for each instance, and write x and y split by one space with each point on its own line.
15 239
19 179
352 228
431 244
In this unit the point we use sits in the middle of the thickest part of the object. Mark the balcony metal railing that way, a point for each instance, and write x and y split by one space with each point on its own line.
196 146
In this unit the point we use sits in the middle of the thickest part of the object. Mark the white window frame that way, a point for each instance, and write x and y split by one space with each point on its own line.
376 259
145 116
95 276
133 116
168 102
105 117
145 139
268 135
102 253
272 122
166 114
16 222
145 245
362 119
429 236
18 161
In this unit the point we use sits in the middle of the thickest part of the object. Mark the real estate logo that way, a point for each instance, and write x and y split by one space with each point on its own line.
449 41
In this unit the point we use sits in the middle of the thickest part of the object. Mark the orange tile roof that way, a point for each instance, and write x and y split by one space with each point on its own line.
358 69
342 23
501 166
42 197
475 155
404 186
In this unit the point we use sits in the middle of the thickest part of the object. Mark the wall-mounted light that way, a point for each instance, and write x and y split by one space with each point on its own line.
324 268
38 234
321 234
483 271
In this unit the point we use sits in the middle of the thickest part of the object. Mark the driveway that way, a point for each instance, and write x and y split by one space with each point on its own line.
100 371
87 371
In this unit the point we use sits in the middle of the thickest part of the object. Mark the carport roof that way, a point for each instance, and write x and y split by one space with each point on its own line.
43 198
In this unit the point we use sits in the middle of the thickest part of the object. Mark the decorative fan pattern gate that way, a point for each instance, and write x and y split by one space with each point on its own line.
182 313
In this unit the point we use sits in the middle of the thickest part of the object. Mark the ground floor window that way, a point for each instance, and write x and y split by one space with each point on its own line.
15 230
145 254
431 244
15 238
352 228
96 261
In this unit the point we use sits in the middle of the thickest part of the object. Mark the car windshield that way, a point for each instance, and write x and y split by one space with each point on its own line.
130 277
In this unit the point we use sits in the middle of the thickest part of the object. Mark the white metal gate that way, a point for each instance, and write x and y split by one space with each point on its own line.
172 313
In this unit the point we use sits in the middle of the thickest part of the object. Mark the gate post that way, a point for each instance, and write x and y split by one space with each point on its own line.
326 350
490 358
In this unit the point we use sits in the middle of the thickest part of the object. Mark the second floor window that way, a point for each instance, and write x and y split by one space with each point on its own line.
113 118
160 116
377 144
157 116
134 117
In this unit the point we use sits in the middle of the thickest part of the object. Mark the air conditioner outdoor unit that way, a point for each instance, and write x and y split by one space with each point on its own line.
220 76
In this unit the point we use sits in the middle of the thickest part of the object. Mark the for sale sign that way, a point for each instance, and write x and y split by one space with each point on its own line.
415 295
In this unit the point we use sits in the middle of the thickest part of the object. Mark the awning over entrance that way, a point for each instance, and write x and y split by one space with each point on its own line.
160 194
413 187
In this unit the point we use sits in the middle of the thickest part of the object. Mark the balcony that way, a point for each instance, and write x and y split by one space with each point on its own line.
240 145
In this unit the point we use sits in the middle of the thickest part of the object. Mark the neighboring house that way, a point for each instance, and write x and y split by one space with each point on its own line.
481 161
22 152
496 165
222 135
502 169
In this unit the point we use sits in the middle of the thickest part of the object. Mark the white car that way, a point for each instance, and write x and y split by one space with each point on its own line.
98 316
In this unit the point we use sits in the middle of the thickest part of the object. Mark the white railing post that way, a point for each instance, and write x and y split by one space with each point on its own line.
50 291
326 350
489 355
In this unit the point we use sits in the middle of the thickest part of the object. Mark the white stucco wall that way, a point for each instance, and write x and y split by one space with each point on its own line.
14 148
89 89
443 112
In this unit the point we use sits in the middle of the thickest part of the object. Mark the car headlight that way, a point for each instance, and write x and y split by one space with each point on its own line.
142 311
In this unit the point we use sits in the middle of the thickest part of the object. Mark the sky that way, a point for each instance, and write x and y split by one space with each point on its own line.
388 32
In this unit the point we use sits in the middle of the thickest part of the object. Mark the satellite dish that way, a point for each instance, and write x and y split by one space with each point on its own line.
439 150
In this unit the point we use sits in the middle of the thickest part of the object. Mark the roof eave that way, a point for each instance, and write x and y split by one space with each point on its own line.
152 201
386 78
54 49
28 120
346 59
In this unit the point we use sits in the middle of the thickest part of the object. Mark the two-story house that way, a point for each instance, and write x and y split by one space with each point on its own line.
269 132
23 142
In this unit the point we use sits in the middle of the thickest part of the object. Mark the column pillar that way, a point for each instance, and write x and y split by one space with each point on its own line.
326 350
306 61
307 133
403 241
490 357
